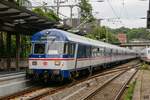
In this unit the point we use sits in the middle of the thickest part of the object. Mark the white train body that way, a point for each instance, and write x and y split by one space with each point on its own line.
64 53
145 55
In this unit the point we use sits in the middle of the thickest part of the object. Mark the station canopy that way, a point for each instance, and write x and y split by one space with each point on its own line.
18 19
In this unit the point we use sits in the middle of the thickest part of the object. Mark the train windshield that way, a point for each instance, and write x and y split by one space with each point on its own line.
39 48
55 47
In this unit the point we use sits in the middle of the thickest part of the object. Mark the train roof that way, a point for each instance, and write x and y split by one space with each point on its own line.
66 36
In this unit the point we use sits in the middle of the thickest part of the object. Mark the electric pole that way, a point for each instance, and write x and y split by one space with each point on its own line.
57 7
148 17
149 4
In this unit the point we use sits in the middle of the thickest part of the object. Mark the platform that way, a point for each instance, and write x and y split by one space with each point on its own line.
142 87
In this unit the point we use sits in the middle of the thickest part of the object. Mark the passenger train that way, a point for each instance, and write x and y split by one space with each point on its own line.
57 54
145 55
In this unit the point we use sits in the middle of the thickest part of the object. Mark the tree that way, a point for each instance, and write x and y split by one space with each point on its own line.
21 2
47 13
86 11
24 3
134 33
102 34
41 11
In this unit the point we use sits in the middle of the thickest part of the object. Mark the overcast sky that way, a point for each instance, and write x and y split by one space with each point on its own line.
129 11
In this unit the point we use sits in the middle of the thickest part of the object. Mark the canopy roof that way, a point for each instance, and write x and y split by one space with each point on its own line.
18 19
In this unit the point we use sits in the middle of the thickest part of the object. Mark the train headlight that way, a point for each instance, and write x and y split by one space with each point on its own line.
57 63
34 63
45 63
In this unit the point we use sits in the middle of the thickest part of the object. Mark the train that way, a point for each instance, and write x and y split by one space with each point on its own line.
59 55
145 55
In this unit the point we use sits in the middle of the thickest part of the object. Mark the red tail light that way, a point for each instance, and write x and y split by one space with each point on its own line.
45 63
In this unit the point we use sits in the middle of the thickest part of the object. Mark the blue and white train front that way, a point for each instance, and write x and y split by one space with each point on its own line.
52 56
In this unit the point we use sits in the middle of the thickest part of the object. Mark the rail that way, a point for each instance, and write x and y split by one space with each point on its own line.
49 91
117 97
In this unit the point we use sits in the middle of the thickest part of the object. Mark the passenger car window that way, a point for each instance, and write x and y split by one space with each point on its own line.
148 51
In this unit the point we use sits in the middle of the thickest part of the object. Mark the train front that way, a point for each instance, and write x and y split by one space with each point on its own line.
48 58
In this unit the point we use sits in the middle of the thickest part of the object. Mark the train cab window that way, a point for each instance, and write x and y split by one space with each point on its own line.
65 48
39 48
69 48
55 47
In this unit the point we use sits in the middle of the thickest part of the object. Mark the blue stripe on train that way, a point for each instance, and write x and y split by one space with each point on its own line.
50 56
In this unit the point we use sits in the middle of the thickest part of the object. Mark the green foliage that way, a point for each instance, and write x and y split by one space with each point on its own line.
23 2
86 11
39 11
43 12
130 91
112 38
24 46
135 33
139 33
102 34
144 66
13 46
47 13
19 2
2 44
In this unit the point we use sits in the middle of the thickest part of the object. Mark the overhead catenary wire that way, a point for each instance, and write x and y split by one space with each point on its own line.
114 12
125 9
42 6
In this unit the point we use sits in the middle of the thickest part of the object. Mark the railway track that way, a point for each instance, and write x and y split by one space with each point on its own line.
10 74
111 89
12 82
37 93
21 93
2 79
